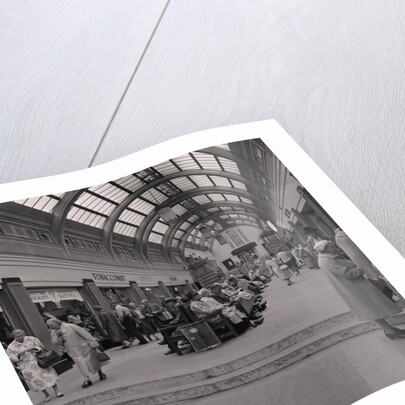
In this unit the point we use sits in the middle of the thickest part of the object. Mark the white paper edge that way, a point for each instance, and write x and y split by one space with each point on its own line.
335 203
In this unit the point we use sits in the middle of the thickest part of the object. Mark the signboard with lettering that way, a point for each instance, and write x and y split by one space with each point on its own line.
55 295
109 277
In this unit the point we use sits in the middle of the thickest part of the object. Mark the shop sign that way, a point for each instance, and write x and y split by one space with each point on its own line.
173 278
106 277
55 295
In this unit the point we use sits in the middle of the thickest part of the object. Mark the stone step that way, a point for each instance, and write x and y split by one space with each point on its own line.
334 329
245 375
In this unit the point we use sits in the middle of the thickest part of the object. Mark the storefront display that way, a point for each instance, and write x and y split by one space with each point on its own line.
62 303
153 294
116 295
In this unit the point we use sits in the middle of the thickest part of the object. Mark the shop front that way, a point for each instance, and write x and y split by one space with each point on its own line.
66 304
153 294
116 295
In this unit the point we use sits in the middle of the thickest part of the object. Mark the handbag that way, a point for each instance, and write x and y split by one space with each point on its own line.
102 356
47 358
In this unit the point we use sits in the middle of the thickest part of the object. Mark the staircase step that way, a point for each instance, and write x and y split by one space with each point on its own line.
267 360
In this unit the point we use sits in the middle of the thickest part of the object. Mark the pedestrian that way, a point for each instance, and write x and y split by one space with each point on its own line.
80 345
365 301
22 352
284 256
128 322
308 258
282 270
114 330
139 318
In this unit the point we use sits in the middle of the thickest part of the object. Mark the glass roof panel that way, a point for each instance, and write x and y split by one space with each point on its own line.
160 227
201 199
179 209
246 200
183 183
168 189
125 229
176 243
221 181
155 196
85 217
184 225
45 203
231 197
131 183
111 192
238 184
87 200
155 237
179 234
202 181
131 217
214 209
190 237
229 165
207 161
166 168
142 206
186 162
192 219
216 197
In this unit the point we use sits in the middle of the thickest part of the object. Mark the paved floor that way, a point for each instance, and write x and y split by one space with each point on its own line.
290 309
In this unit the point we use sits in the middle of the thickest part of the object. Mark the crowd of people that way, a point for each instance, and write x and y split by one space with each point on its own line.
236 297
126 323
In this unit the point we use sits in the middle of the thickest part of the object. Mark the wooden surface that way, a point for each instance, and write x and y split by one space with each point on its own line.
85 82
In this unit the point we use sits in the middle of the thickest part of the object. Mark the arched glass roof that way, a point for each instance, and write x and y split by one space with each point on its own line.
202 187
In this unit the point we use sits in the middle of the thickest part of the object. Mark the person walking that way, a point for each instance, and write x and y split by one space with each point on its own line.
365 300
112 326
22 352
80 345
281 270
284 256
139 318
309 260
128 322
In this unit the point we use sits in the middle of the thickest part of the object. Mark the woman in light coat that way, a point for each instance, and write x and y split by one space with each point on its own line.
361 296
80 345
22 352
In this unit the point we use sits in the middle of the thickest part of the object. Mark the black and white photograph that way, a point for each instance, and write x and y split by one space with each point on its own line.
213 277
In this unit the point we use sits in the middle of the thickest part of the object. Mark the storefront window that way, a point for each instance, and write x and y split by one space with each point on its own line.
152 294
66 304
116 295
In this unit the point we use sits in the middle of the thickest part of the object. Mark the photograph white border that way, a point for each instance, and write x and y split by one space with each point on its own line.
364 234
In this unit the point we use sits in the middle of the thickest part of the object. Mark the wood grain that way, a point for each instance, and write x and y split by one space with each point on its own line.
330 72
63 68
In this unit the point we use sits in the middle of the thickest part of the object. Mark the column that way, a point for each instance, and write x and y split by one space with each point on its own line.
93 296
22 311
136 292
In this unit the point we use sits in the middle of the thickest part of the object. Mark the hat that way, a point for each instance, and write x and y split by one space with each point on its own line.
98 307
191 294
320 246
